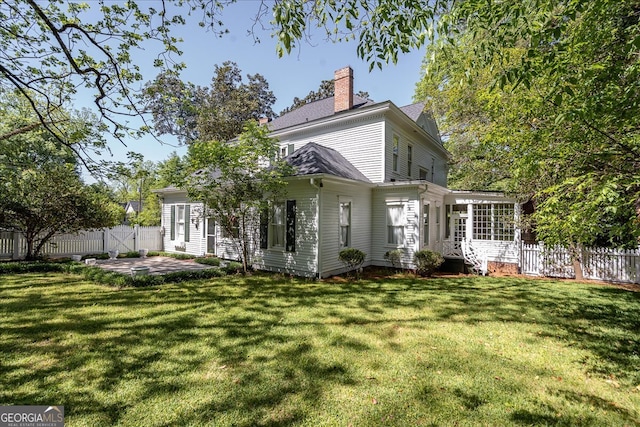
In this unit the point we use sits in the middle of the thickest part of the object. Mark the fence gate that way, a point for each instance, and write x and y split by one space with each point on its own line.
122 238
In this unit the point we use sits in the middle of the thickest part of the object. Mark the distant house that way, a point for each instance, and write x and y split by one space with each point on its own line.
369 175
131 208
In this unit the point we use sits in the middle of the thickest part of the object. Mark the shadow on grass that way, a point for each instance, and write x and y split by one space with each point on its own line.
167 335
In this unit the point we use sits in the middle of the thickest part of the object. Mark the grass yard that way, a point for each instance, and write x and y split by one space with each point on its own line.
271 351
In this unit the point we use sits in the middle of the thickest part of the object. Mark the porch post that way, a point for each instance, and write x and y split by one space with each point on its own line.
469 223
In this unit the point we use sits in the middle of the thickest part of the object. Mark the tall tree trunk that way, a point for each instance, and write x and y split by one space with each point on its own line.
575 251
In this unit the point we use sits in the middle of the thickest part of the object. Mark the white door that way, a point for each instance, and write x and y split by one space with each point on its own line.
459 226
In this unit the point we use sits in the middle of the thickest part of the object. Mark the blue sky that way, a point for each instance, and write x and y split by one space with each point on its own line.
288 77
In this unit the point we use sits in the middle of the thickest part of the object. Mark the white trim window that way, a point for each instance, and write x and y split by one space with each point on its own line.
494 221
425 224
180 223
345 223
277 225
396 221
423 174
438 214
395 150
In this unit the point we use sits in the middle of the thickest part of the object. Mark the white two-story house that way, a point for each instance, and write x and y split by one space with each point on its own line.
368 175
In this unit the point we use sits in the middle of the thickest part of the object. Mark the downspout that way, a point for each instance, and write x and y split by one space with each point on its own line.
317 184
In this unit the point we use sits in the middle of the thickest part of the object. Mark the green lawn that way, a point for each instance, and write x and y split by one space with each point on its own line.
271 351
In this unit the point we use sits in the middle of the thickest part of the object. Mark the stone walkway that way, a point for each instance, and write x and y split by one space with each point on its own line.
156 264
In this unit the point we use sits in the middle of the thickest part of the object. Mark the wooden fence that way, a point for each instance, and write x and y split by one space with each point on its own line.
123 238
610 265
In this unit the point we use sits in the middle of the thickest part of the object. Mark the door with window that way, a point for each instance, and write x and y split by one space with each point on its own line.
459 226
211 236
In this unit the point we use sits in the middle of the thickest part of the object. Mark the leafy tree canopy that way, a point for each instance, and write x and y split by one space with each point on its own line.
235 184
540 99
41 192
49 50
218 112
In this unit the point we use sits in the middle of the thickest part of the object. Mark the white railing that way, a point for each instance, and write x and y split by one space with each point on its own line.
611 265
449 249
123 238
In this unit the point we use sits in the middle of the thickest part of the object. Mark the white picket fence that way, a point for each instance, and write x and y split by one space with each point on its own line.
124 238
611 265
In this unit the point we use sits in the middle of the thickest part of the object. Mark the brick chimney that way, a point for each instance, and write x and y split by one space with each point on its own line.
343 89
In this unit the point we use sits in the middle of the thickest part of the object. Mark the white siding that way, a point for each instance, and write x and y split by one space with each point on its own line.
302 262
360 143
360 223
195 245
410 199
425 155
498 251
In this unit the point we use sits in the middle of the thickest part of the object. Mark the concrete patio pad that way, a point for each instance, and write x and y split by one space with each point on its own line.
156 264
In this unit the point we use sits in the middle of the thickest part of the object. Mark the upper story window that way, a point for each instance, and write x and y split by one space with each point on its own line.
410 160
286 150
423 174
433 167
396 148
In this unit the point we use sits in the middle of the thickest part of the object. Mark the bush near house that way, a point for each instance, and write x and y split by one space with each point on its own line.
394 257
208 261
427 262
351 257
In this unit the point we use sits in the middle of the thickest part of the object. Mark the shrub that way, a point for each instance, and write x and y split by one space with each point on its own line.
96 256
19 267
173 255
209 261
106 277
394 257
130 254
233 268
352 258
427 262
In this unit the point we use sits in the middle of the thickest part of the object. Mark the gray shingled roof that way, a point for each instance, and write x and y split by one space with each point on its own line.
413 110
313 111
314 158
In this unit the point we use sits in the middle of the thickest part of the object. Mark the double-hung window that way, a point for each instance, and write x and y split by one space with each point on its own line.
277 225
179 226
438 223
425 224
396 148
395 224
345 223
